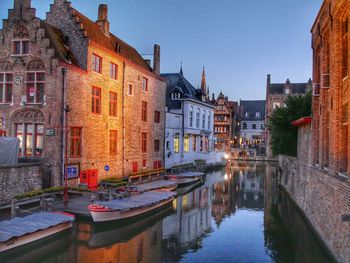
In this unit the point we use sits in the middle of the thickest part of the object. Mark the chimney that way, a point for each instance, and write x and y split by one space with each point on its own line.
102 21
213 96
148 61
156 59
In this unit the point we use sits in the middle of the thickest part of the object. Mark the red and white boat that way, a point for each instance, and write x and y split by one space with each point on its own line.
24 230
187 178
129 207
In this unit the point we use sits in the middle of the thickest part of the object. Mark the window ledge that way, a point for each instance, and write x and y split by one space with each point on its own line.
19 55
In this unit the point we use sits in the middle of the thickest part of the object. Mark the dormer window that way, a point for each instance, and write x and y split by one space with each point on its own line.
175 95
246 115
287 91
257 115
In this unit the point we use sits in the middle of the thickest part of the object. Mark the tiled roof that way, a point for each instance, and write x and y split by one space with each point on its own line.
178 81
296 88
62 51
112 42
252 107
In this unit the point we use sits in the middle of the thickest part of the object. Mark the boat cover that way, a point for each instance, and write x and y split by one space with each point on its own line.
155 185
189 174
138 201
9 150
20 226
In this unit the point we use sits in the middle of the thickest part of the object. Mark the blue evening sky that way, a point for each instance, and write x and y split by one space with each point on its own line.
238 41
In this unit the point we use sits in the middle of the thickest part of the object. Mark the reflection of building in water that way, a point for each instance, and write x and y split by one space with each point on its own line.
186 229
251 189
144 247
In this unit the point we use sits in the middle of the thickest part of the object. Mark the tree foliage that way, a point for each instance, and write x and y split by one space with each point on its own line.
284 136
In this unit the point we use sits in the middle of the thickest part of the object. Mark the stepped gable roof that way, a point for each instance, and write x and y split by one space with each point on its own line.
112 42
296 88
233 105
252 107
176 81
57 42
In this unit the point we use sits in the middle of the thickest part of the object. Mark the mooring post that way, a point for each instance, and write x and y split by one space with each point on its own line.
42 203
110 193
13 208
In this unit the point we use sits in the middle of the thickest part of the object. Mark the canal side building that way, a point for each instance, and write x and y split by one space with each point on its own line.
113 100
189 122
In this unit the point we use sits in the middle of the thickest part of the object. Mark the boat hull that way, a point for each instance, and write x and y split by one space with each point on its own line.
32 237
104 216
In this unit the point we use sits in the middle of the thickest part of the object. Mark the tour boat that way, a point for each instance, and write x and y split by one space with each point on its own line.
187 178
20 231
129 207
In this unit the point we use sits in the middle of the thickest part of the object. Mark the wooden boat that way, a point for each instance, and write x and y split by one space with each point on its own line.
187 178
25 230
159 185
129 207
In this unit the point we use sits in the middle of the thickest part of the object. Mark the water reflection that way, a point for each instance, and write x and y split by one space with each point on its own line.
238 215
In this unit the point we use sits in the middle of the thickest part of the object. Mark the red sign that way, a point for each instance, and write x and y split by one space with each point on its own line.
31 91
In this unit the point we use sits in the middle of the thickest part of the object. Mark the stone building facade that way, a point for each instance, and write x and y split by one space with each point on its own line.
113 100
225 122
330 43
276 96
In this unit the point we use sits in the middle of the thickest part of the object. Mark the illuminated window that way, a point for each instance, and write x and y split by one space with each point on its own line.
144 84
75 142
113 142
144 111
287 91
96 100
194 143
144 142
276 105
113 104
130 89
35 87
157 116
96 63
6 87
31 139
113 71
156 146
206 143
20 47
176 144
186 144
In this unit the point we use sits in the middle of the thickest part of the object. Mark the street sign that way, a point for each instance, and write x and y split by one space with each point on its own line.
106 168
72 171
50 132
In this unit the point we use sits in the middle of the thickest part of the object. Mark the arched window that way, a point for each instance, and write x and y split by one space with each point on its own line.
198 116
204 115
191 117
20 41
209 121
35 81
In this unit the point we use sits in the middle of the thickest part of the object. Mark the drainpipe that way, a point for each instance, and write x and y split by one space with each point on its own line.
63 123
123 119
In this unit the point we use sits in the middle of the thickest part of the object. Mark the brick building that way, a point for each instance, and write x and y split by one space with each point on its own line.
225 122
113 99
330 129
276 95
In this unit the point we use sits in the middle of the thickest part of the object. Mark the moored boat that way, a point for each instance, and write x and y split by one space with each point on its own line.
159 185
129 207
185 179
24 230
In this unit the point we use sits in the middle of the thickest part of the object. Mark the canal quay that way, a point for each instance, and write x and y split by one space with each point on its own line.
239 214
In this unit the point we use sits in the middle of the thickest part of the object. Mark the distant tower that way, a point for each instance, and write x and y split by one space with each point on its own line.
204 83
181 72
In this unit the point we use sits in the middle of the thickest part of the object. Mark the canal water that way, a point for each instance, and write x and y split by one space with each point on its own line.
238 215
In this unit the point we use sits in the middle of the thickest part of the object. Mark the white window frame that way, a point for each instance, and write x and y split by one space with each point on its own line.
3 84
35 86
21 47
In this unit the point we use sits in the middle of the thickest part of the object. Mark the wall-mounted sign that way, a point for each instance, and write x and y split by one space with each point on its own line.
106 168
50 132
72 171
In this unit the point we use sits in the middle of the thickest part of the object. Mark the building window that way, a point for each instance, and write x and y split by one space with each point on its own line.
157 164
186 144
203 119
20 47
345 48
157 116
75 142
96 100
175 95
144 84
35 87
130 89
244 126
113 142
96 63
156 146
246 114
113 71
144 164
254 126
257 115
144 111
134 167
262 126
176 144
144 142
167 145
194 143
206 143
287 91
191 117
113 104
209 121
31 137
198 114
276 105
6 87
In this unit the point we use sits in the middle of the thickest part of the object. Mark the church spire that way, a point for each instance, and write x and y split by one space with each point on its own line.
181 72
204 83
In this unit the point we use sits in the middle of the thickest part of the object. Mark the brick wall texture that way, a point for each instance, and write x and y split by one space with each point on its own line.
323 199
